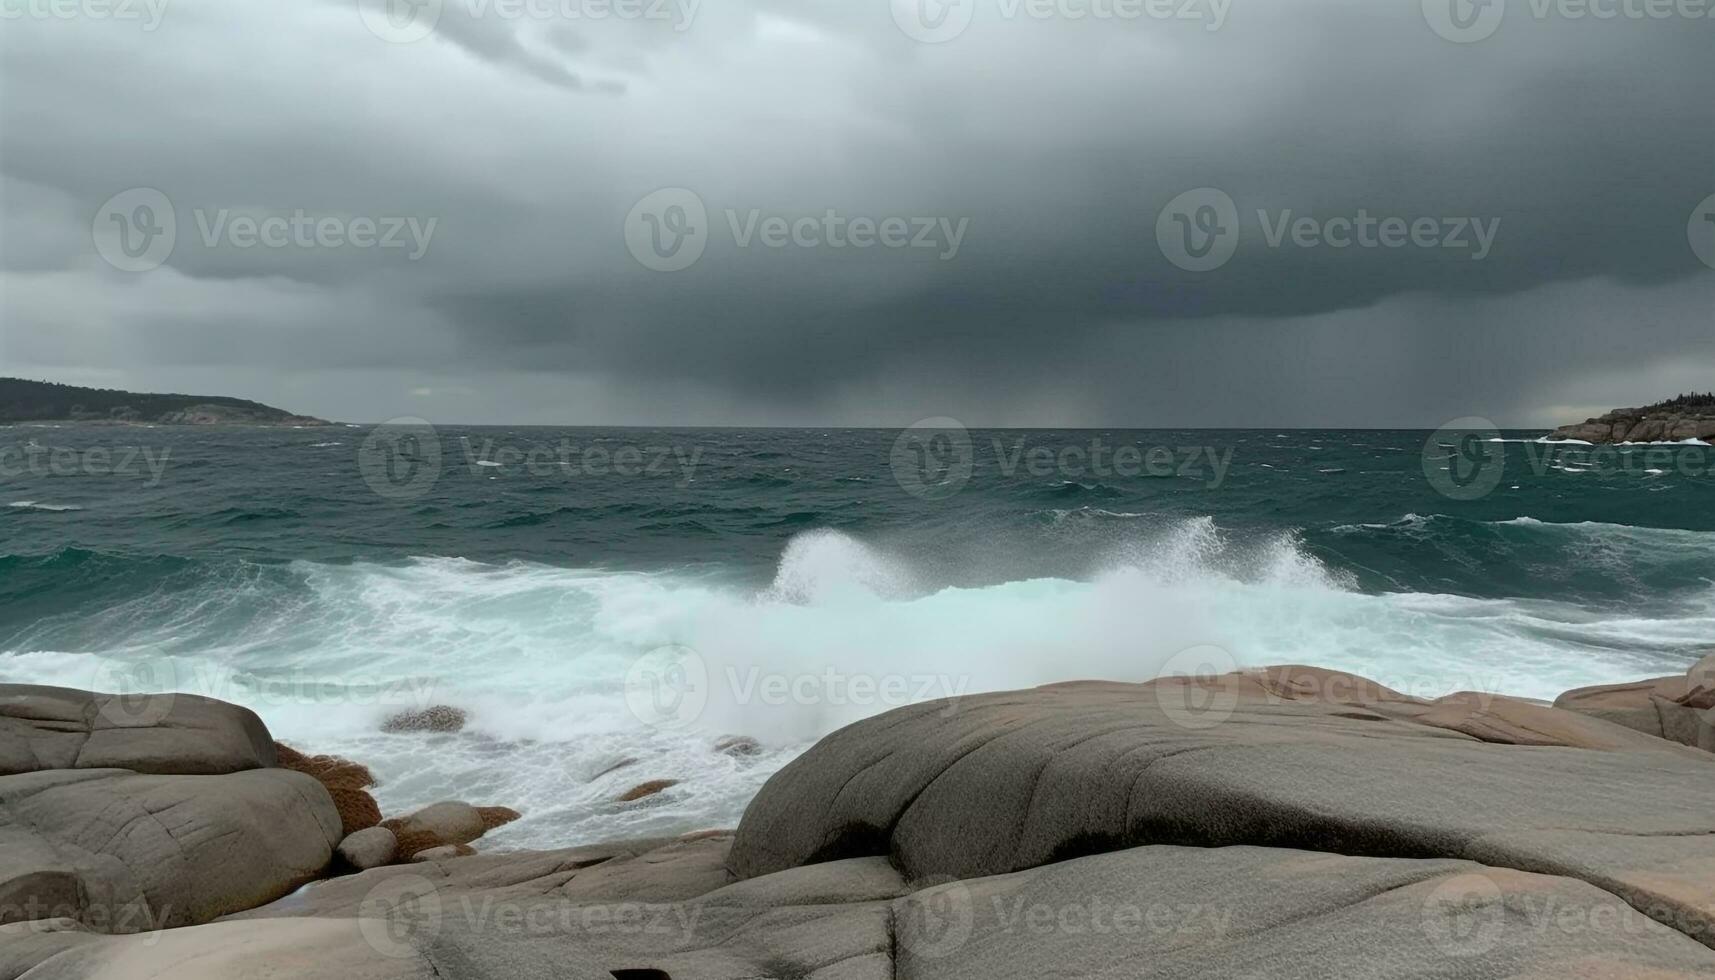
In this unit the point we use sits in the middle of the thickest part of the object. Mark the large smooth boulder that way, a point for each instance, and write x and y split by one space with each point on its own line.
44 728
123 852
1286 824
1679 708
1513 721
1158 912
296 948
1288 758
347 782
1251 913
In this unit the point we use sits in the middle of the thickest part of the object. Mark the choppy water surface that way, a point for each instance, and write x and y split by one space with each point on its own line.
524 575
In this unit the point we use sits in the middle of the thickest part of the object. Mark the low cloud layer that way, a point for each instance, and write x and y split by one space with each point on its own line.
1320 212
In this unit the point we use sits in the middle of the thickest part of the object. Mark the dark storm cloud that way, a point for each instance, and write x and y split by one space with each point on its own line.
1032 156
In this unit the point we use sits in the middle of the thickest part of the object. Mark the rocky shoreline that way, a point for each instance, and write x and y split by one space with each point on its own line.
1641 425
23 401
1277 823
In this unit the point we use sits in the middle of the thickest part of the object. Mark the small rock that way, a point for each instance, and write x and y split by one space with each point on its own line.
449 823
642 790
371 848
439 718
738 745
446 824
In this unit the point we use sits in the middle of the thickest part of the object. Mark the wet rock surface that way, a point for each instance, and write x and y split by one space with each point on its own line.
1268 825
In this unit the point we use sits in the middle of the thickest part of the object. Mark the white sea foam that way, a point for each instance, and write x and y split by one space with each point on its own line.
33 505
539 656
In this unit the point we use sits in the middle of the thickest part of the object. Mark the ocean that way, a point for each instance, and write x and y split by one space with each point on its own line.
597 598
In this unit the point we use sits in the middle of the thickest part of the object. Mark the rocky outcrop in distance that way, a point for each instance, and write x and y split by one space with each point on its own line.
40 401
1656 424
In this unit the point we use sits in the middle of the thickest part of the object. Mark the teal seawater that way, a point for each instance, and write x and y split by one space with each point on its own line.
525 573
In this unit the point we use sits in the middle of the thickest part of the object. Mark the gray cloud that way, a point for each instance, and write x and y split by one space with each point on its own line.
528 139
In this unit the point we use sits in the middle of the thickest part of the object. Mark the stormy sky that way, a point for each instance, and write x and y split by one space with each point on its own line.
477 210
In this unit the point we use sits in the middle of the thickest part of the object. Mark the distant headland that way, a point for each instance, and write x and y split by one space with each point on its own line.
1675 420
41 401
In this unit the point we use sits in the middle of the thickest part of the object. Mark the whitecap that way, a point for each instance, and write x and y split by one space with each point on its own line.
33 505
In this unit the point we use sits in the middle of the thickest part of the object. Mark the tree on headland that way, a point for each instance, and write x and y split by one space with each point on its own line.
1693 402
